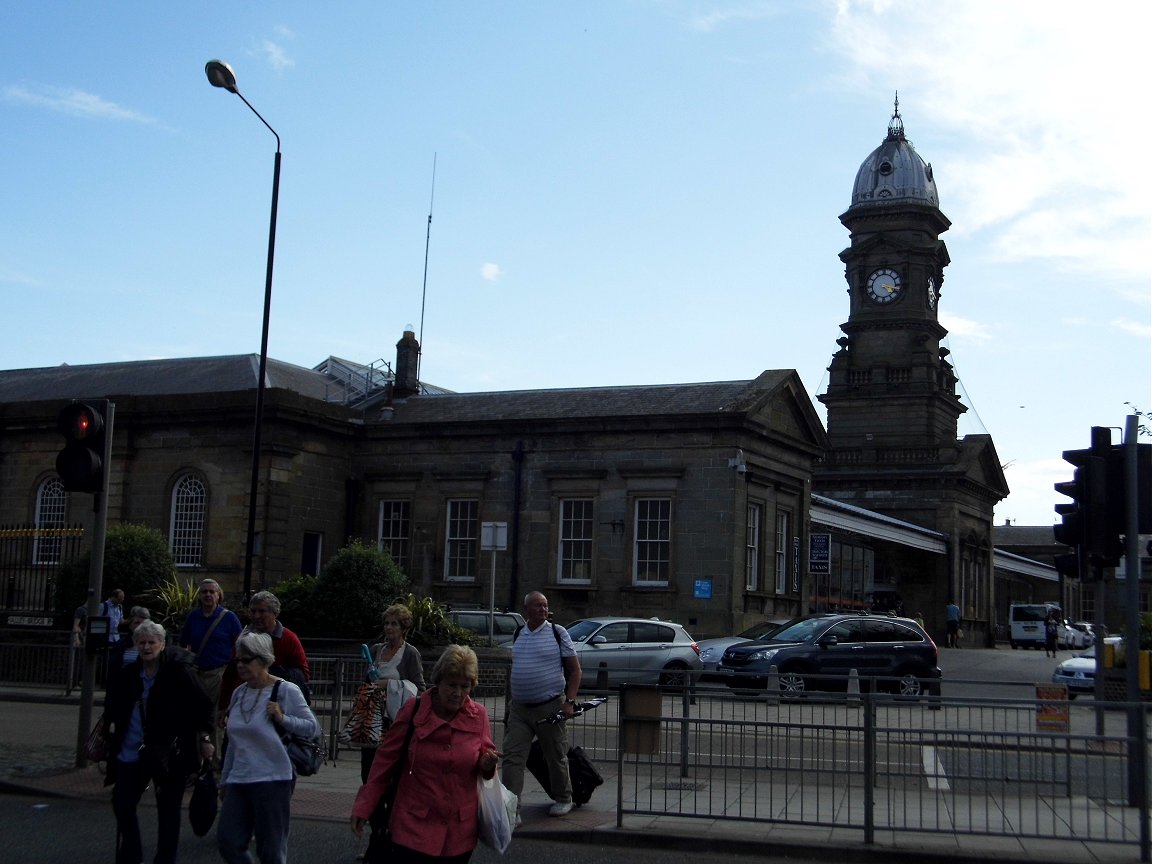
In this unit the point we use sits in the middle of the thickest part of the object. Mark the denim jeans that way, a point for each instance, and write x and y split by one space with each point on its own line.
262 809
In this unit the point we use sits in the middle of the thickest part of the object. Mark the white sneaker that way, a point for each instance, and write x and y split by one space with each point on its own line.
560 808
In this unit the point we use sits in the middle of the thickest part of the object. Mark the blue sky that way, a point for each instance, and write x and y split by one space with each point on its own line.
628 192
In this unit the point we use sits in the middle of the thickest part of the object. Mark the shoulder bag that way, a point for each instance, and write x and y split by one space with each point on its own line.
306 754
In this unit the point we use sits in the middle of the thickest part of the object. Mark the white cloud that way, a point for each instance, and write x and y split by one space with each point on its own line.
276 56
964 328
1136 328
717 18
76 103
491 272
1032 500
1039 102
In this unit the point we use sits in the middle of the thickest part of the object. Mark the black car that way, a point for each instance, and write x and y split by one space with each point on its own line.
818 653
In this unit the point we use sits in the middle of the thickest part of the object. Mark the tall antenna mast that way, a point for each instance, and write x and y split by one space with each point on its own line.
424 289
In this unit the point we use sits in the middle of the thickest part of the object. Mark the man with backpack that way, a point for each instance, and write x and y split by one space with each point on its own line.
545 680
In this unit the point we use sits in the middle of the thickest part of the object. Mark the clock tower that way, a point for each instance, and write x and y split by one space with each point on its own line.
891 397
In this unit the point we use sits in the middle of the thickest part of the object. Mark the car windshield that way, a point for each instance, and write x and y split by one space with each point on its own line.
798 631
581 630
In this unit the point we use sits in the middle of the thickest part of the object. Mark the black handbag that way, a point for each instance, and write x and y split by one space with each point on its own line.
381 836
203 805
306 754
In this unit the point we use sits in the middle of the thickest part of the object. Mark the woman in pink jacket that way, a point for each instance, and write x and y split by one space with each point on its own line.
434 816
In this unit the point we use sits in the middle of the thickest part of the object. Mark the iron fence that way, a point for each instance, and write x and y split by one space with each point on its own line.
30 559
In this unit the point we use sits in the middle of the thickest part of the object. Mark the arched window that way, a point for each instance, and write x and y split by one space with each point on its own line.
186 534
51 505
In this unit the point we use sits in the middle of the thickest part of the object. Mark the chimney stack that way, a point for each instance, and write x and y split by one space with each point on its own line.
407 366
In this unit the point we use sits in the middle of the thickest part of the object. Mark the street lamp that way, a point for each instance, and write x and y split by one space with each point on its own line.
221 75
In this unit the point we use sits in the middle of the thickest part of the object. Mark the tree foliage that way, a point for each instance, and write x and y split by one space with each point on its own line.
136 560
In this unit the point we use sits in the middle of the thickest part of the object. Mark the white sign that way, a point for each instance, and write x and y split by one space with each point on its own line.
493 536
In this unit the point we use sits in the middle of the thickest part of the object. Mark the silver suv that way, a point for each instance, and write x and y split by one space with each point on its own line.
634 651
476 620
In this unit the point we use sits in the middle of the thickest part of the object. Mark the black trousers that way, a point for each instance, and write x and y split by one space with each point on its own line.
132 779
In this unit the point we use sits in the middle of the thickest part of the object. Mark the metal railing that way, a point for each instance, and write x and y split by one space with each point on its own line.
875 762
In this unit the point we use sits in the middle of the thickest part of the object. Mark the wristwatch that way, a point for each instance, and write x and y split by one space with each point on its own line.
568 701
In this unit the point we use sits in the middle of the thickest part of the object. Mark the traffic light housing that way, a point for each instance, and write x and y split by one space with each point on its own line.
82 462
1092 523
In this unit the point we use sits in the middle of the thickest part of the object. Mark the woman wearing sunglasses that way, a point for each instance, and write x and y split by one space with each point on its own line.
257 776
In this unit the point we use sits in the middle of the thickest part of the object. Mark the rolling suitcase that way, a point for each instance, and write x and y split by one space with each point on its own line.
583 774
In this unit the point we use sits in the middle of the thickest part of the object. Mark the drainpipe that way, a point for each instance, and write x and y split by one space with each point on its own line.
517 480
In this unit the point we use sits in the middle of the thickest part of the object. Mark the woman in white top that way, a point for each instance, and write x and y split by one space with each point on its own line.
257 777
393 660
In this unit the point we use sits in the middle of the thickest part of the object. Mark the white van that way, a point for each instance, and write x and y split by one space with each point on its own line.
1026 623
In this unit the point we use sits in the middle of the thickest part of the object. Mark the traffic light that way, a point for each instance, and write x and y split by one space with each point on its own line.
1092 522
82 462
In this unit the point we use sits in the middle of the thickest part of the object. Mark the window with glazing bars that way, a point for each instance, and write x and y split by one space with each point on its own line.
51 506
186 533
461 540
394 530
752 548
652 549
575 553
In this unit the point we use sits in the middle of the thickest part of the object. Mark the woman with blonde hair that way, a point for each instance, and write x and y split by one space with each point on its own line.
434 815
393 659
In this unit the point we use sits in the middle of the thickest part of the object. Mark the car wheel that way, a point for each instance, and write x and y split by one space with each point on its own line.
674 676
1013 644
792 684
909 685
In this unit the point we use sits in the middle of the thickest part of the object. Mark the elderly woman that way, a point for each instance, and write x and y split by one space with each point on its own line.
435 812
258 778
159 719
393 659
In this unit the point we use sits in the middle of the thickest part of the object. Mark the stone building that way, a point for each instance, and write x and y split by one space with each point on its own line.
716 504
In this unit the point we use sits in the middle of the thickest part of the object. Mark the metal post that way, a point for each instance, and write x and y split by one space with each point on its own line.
95 578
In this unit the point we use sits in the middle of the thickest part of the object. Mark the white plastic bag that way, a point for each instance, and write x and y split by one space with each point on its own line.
497 813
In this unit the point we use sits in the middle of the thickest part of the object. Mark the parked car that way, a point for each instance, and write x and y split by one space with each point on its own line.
634 651
476 620
818 653
1078 673
1075 636
711 650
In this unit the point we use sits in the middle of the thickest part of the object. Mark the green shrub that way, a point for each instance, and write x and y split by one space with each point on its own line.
136 560
172 602
431 626
296 604
353 590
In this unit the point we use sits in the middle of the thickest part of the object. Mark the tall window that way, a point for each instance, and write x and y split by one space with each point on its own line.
51 506
652 552
783 545
574 562
752 548
186 533
462 540
394 530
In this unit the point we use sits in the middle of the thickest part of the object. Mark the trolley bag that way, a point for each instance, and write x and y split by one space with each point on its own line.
581 772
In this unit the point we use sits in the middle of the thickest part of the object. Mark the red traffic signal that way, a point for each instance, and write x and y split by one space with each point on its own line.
82 461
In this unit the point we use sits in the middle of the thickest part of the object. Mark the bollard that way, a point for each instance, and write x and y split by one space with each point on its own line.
772 686
853 687
602 676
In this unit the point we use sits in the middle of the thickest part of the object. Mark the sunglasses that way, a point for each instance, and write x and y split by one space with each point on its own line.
246 659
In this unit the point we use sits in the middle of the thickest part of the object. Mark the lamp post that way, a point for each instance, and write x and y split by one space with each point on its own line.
221 75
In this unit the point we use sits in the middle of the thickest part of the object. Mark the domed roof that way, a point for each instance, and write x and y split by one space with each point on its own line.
894 173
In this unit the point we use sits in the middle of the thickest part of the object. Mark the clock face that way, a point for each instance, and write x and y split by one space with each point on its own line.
931 293
884 285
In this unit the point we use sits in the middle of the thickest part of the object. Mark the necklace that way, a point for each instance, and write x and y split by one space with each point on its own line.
247 711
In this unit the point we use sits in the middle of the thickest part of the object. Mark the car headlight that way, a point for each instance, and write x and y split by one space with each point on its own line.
706 654
763 654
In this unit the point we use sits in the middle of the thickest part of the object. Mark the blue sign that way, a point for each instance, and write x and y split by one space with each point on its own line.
820 553
702 589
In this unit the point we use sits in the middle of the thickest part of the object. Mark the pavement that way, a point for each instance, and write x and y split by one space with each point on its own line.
37 753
